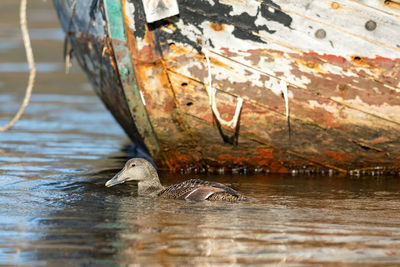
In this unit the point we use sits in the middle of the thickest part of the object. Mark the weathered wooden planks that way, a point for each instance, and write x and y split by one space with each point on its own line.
391 7
332 94
340 59
344 65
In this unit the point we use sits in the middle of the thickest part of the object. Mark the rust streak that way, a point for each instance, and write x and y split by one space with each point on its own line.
335 5
112 56
217 26
359 61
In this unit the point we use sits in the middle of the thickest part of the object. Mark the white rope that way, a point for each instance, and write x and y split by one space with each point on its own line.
211 94
283 86
31 62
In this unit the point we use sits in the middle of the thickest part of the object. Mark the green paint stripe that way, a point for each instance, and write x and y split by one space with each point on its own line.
115 19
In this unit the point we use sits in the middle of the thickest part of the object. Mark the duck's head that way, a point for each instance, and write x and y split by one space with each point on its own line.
136 169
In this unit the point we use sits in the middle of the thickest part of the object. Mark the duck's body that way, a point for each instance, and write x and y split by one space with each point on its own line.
193 190
197 190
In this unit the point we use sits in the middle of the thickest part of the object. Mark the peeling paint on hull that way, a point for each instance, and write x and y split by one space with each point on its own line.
343 76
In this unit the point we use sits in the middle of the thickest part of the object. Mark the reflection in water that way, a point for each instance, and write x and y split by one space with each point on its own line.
296 220
50 196
55 209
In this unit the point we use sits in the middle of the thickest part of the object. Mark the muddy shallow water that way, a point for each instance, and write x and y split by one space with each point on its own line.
55 210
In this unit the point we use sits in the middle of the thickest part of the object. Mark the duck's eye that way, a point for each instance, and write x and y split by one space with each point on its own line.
133 165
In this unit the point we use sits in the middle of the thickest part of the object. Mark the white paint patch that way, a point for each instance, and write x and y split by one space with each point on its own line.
304 79
140 43
240 73
130 10
274 86
332 108
190 31
156 10
271 9
330 68
282 66
367 71
397 90
376 90
225 38
383 110
239 9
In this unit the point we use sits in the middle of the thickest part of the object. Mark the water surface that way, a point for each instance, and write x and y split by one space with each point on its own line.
55 210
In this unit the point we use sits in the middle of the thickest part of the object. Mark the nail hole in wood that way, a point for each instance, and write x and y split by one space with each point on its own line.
320 34
370 25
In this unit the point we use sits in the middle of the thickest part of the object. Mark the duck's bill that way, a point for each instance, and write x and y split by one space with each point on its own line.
112 182
115 180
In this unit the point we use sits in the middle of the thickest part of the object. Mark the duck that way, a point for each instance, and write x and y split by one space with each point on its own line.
142 171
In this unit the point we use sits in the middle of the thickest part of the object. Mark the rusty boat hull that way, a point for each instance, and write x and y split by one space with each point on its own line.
319 81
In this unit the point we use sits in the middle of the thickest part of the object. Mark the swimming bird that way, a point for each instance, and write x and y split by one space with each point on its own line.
141 170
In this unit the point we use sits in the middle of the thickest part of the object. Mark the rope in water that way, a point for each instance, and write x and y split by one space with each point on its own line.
31 63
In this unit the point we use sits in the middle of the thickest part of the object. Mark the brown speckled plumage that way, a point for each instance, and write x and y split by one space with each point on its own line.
193 190
196 190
